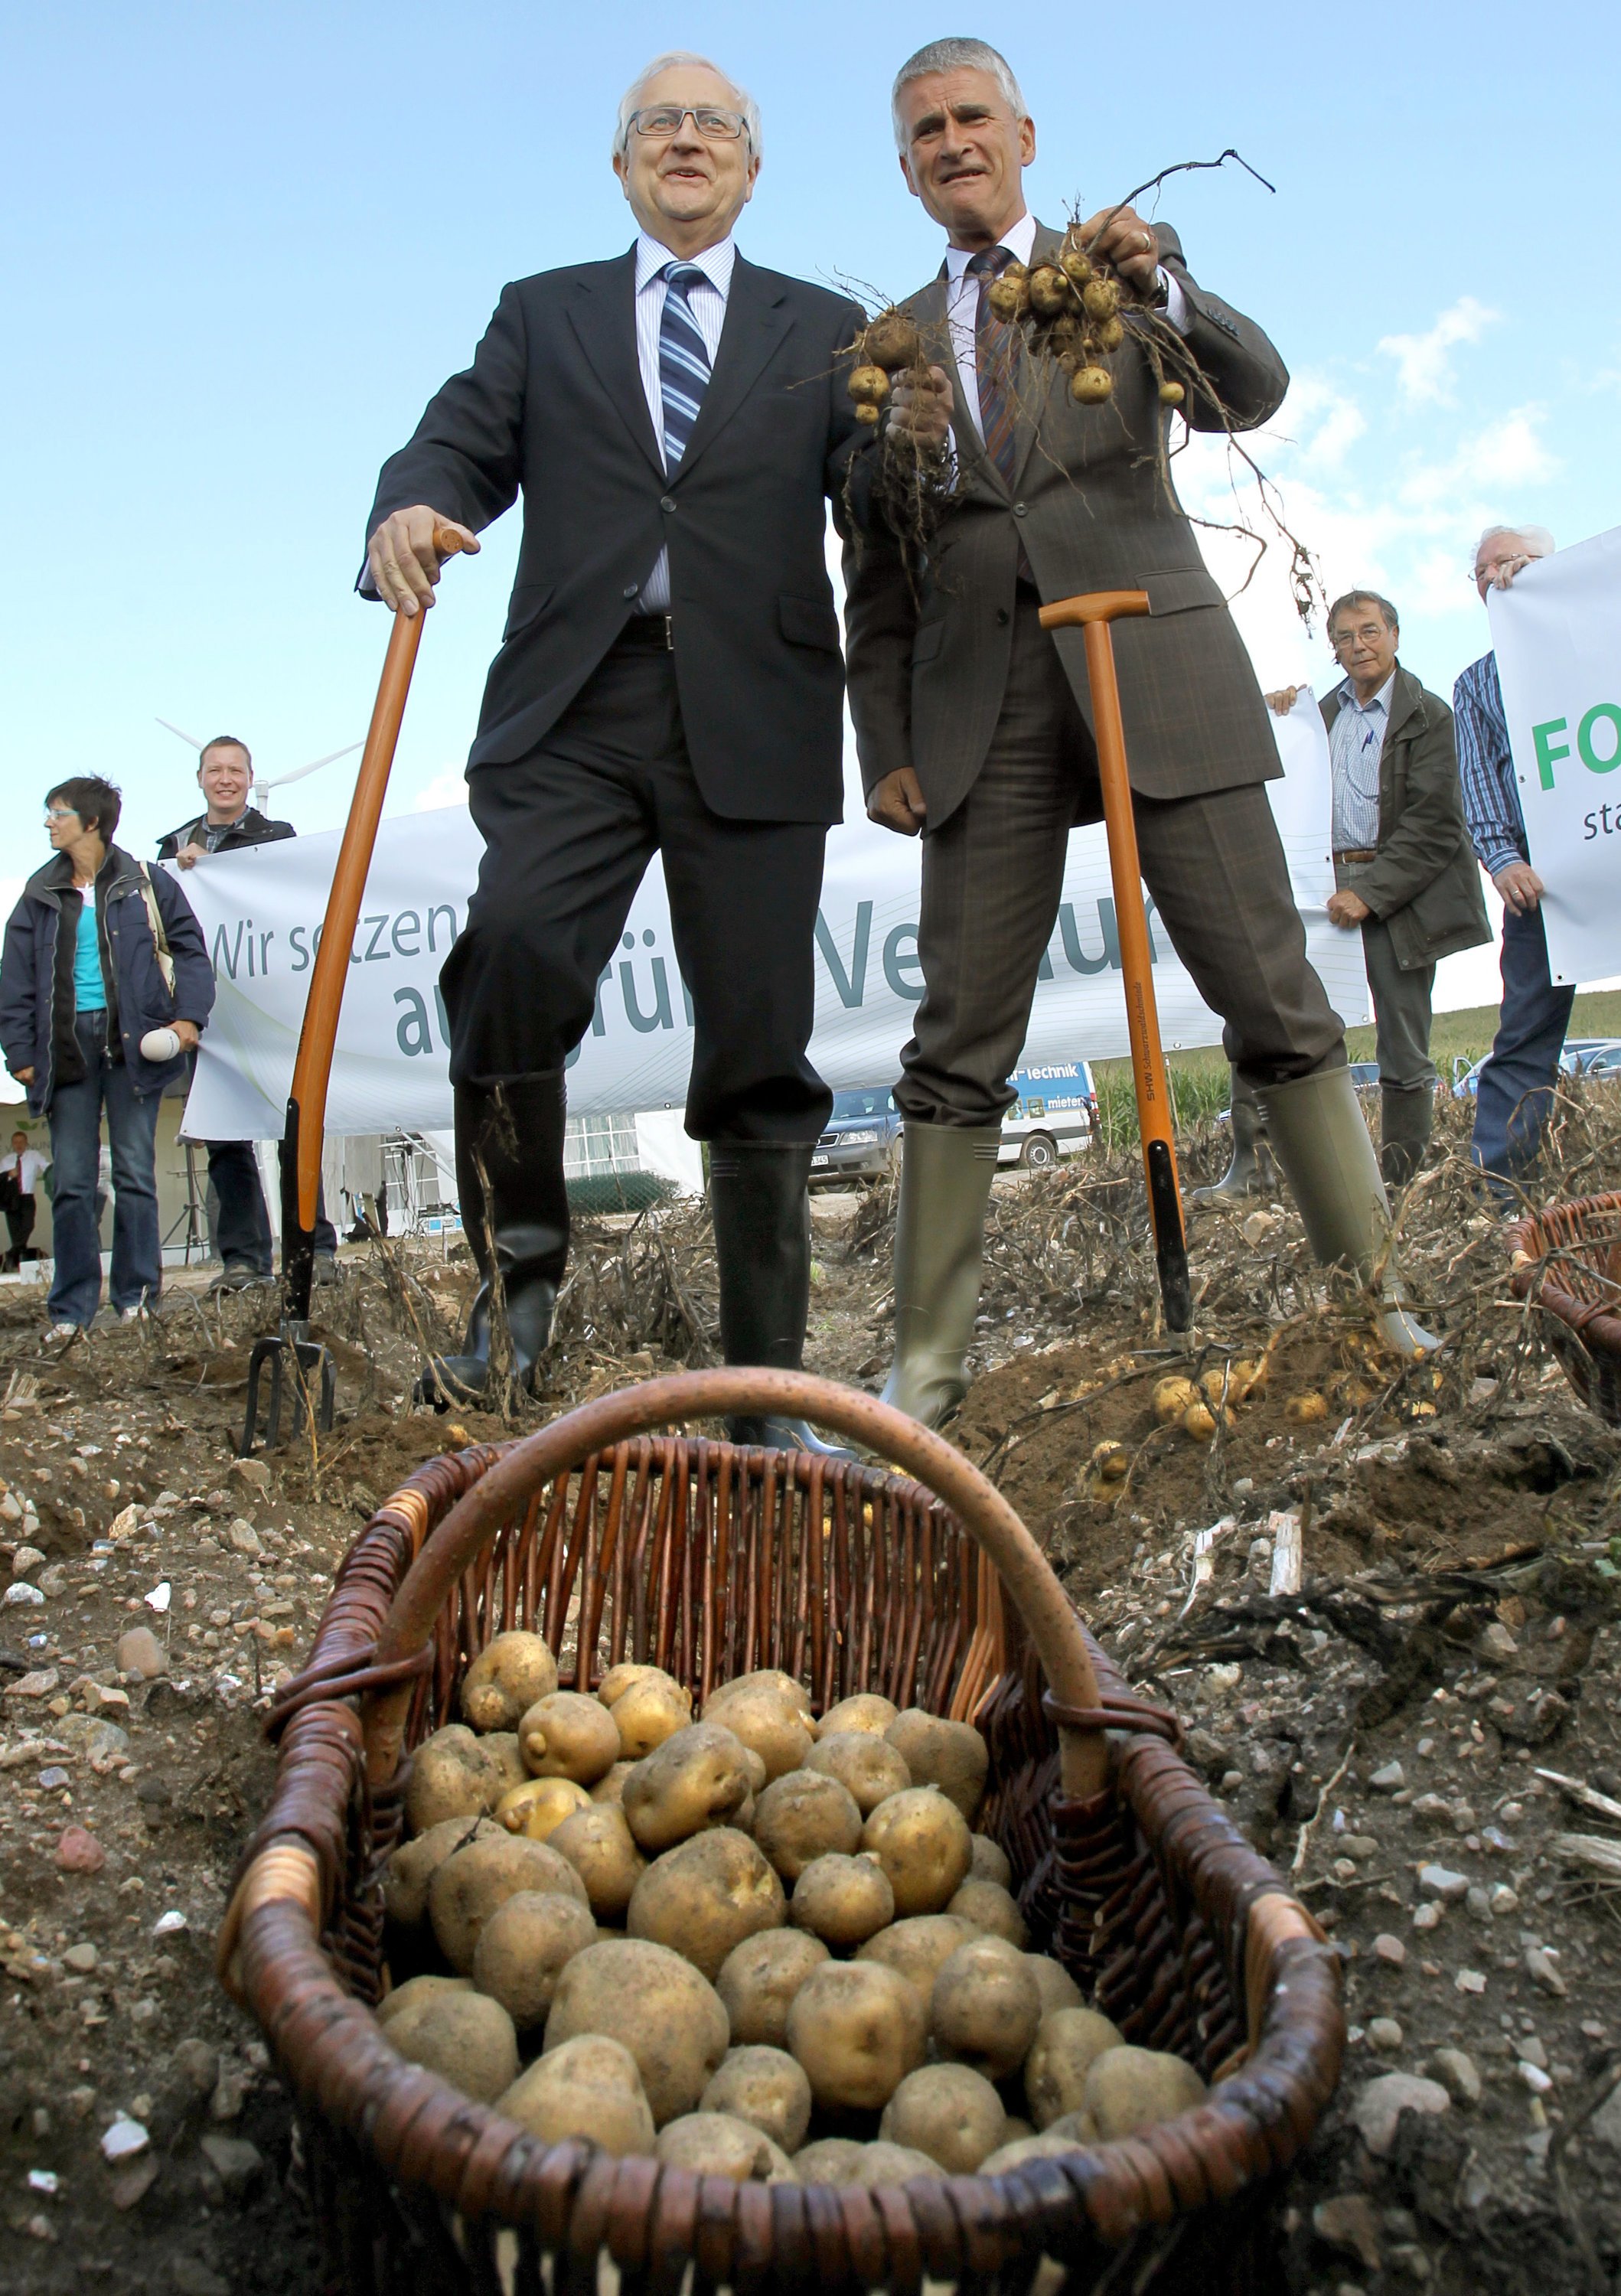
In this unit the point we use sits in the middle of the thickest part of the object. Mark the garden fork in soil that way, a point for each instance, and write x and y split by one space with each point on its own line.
1092 614
301 1382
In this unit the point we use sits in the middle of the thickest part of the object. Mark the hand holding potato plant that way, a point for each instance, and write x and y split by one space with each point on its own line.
758 1946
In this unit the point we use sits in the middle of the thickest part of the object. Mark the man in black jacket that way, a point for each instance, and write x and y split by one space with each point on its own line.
226 825
670 680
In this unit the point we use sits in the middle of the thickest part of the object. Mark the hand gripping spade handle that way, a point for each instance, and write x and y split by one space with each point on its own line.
304 1134
1093 615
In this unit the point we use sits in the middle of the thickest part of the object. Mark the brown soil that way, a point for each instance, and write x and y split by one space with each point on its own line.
1455 1620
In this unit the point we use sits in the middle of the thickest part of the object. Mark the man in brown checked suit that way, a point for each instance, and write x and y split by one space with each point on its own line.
973 725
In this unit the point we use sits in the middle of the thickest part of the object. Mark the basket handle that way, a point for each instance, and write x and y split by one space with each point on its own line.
1052 1624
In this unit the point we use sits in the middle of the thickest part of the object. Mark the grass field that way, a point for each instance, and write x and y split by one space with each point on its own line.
1200 1084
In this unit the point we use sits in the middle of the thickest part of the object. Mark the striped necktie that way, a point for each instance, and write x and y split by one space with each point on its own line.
684 359
994 362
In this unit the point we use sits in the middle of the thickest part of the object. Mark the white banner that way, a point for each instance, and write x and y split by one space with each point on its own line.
1555 632
261 913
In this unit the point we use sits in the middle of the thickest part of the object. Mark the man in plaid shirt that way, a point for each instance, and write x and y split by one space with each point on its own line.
1515 1086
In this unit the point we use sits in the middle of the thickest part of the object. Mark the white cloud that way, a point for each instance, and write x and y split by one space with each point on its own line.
1422 361
447 787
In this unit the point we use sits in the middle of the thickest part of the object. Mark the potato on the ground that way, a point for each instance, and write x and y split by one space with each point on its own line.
509 1673
829 2160
991 1908
986 2007
412 1868
843 1900
719 2145
882 2163
920 1947
599 1845
866 1711
537 1808
759 1977
858 2030
950 1755
467 1888
1068 2042
990 1862
949 2111
612 1787
786 1687
1129 2088
1054 1982
416 1989
706 1896
867 1766
804 1815
586 2087
649 1711
465 2038
568 1735
451 1776
767 2087
766 1721
921 1841
667 2015
1028 2148
697 1779
523 1949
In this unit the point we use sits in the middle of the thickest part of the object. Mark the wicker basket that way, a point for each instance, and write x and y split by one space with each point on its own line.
1567 1261
710 1560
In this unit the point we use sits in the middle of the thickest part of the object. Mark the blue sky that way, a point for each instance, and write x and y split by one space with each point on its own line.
242 246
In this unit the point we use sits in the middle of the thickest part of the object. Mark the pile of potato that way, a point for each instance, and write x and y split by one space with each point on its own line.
754 1945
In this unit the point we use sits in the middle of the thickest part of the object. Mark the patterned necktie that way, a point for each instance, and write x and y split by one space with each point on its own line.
994 362
684 360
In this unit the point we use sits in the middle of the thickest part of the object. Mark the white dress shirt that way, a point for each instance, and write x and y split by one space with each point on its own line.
25 1167
962 307
1356 742
707 303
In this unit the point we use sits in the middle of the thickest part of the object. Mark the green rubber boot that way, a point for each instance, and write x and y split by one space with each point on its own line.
939 1255
1245 1176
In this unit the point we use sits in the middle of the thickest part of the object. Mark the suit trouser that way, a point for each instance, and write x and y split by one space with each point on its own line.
569 831
993 873
1514 1089
1401 999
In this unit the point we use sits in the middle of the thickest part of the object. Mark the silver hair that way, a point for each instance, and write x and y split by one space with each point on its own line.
746 104
1537 539
955 55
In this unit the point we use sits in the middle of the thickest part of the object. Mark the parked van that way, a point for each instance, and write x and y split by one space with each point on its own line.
1055 1114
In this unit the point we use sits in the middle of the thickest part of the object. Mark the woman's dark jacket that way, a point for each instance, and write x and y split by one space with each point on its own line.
37 997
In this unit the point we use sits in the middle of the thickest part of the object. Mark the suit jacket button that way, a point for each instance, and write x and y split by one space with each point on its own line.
631 590
1002 615
1019 511
666 502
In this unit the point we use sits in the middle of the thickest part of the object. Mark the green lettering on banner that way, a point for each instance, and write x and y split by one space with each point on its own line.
1607 713
1547 756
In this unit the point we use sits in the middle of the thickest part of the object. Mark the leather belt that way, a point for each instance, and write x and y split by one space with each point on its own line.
649 634
1352 856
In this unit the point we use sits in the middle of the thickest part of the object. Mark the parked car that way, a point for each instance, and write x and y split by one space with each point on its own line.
1593 1056
1055 1114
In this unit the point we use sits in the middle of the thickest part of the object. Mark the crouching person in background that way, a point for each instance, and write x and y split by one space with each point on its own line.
99 953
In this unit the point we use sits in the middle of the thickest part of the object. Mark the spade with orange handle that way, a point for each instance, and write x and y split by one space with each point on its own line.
1093 615
305 1133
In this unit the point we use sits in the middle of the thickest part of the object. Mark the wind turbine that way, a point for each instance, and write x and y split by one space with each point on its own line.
262 788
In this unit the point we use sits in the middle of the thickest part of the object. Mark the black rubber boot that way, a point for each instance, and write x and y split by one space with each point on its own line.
761 1208
1405 1123
515 1131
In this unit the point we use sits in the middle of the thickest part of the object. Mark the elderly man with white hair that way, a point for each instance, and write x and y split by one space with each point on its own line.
669 681
1515 1085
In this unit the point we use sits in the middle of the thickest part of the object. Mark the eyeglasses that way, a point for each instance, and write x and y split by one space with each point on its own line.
60 813
664 120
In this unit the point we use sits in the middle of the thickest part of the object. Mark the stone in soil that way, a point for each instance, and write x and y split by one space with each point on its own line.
1380 2104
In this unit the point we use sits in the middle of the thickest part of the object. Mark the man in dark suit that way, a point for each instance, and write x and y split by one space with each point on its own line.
228 824
669 681
974 726
1404 869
